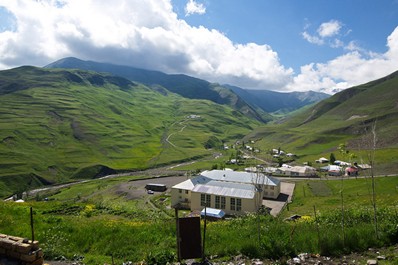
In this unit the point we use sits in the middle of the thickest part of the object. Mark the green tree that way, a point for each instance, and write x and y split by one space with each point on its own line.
332 158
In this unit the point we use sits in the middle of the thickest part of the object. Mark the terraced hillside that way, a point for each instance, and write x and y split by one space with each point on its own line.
57 125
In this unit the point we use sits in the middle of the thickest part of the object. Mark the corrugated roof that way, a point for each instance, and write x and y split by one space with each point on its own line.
227 183
189 184
226 189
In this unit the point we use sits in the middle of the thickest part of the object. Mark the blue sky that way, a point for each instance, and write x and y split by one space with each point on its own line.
280 24
283 45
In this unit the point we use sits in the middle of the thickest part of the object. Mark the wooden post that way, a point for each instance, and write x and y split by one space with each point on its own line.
31 224
178 235
317 229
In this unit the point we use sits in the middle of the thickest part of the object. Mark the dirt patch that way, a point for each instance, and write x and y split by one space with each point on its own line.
135 189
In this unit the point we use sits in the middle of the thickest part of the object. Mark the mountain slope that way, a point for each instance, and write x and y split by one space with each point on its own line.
272 101
183 85
59 124
346 117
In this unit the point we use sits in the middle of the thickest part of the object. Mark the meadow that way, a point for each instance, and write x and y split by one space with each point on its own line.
93 221
62 125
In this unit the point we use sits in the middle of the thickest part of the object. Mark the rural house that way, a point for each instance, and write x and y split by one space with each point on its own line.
231 191
296 171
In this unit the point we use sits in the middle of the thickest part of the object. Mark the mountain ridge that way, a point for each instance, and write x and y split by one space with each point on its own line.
254 103
184 85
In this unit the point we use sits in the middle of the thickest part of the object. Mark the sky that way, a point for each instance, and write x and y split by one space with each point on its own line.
280 45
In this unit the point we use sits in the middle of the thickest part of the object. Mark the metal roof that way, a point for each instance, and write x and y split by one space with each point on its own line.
240 177
226 189
189 184
227 183
212 212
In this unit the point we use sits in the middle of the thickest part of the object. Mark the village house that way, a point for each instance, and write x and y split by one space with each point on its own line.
233 192
296 171
322 160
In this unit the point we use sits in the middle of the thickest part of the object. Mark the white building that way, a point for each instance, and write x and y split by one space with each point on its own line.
231 191
296 171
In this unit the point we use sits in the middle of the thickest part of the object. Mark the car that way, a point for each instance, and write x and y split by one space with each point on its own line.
150 192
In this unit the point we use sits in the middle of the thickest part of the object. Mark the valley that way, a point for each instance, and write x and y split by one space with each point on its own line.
79 146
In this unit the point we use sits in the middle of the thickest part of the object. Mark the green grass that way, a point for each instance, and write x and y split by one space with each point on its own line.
94 220
60 130
325 195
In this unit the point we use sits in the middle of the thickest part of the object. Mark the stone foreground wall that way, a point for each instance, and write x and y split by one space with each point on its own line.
21 249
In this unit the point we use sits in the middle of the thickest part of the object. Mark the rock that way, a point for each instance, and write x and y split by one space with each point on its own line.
296 260
303 256
257 262
371 262
381 257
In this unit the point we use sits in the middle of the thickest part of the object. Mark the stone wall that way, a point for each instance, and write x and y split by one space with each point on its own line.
21 249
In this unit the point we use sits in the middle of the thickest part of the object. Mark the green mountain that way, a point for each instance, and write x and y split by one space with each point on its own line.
184 85
278 102
346 117
58 124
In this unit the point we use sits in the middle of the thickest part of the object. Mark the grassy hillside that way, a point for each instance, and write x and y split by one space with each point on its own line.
58 125
346 117
184 85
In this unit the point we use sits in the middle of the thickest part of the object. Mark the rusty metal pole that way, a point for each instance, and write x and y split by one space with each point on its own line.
204 237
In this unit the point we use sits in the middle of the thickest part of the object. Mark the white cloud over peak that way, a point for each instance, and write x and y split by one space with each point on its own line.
193 7
145 34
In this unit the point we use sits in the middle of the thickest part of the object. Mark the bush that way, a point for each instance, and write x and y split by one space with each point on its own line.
160 258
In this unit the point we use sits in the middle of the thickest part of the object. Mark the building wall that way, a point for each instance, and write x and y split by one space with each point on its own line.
246 205
180 196
271 192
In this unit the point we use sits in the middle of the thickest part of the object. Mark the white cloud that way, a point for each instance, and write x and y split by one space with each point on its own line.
193 7
324 33
329 29
350 69
144 34
312 39
148 34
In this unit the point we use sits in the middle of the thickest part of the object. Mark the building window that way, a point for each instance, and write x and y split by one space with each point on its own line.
222 203
233 204
180 191
217 204
205 199
239 205
208 200
202 199
272 187
186 192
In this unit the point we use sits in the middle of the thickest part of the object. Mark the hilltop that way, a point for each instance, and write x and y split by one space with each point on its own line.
59 125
